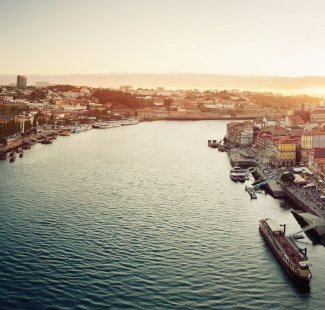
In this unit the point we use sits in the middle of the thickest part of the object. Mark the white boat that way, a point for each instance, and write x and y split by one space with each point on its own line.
238 174
84 128
100 125
130 121
112 124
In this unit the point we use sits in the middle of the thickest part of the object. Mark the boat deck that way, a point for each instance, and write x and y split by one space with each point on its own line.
289 248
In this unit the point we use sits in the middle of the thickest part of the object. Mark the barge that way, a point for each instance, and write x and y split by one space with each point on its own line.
292 258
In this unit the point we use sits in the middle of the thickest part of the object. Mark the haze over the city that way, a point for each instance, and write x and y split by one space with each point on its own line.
237 38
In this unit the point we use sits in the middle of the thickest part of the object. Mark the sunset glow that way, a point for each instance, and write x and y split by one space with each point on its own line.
254 37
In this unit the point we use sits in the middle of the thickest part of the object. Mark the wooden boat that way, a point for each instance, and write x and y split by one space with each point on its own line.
292 258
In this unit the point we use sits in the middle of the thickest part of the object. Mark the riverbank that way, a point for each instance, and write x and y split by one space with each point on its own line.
306 199
47 135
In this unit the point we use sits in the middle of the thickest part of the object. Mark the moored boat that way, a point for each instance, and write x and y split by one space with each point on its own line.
213 144
238 174
64 133
100 126
292 258
47 141
130 121
112 124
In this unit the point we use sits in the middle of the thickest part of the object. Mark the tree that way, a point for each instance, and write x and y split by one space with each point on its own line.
115 97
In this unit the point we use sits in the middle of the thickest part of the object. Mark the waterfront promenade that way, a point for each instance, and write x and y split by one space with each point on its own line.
307 198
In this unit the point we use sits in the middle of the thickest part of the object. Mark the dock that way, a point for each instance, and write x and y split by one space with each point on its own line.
15 146
251 192
302 202
272 186
306 218
236 158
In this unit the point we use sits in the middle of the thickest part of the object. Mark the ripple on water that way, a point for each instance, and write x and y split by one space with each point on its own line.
142 218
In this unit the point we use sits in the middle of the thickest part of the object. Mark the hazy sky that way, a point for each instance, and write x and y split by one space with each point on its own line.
254 37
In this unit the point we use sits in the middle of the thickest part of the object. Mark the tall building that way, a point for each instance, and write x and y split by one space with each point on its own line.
21 81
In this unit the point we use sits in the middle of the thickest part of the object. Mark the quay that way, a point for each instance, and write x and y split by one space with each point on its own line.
237 158
303 200
28 141
305 218
272 186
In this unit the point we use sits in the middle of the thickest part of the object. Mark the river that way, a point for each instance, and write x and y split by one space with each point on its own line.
141 217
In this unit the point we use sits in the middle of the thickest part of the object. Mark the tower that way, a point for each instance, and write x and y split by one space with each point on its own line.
21 81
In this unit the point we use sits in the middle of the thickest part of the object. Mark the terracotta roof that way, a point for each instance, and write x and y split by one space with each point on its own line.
317 112
319 152
318 133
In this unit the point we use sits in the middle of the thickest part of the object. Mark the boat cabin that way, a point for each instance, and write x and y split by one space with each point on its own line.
274 226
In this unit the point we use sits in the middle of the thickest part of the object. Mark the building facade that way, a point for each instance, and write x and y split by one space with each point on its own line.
21 81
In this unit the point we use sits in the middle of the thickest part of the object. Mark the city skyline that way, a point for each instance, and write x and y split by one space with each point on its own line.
212 37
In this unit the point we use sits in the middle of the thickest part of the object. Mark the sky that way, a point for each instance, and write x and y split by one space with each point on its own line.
235 37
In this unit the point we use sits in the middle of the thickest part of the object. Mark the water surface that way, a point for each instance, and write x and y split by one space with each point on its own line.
141 217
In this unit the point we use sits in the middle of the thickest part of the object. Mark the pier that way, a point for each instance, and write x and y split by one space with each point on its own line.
315 224
251 192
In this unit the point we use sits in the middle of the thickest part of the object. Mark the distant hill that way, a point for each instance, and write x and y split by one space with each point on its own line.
182 81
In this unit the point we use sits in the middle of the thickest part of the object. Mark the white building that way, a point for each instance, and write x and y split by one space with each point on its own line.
246 136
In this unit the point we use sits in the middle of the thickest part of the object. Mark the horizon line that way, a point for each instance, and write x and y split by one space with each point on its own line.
170 73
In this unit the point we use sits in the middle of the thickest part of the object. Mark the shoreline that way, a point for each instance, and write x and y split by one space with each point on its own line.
304 200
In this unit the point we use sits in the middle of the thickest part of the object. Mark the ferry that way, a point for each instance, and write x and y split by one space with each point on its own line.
131 121
292 258
238 174
105 125
112 124
78 129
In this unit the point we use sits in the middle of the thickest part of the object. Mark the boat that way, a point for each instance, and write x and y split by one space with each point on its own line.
130 121
221 148
238 174
12 159
21 155
112 124
292 258
213 144
100 126
47 141
64 133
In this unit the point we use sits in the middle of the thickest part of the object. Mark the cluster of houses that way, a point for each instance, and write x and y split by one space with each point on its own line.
296 140
59 104
55 104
